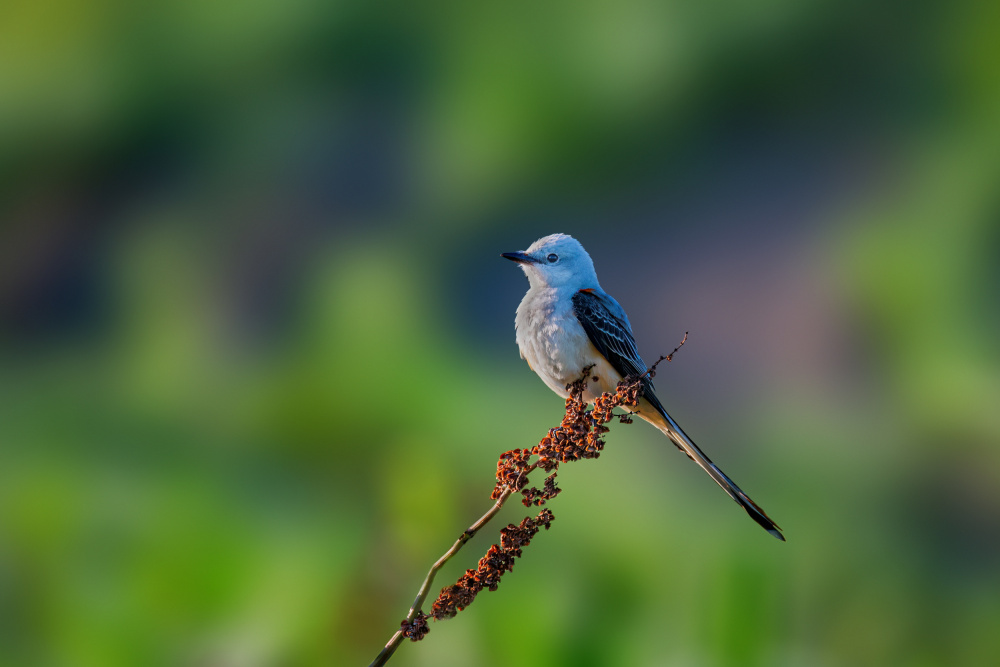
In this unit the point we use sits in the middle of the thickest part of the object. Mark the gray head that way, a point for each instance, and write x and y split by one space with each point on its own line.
557 260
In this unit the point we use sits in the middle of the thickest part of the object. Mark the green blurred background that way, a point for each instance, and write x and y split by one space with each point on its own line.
257 356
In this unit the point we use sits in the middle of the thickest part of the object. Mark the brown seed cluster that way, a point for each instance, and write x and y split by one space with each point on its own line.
512 471
536 496
415 629
577 437
498 560
579 434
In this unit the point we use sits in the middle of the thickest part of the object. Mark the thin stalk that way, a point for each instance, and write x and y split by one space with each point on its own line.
470 532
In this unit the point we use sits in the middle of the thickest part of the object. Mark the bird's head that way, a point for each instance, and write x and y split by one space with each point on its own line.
557 260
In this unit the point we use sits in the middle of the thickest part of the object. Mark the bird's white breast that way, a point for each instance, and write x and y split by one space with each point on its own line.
554 343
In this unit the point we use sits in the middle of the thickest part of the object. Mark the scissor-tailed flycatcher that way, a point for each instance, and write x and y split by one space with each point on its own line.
566 322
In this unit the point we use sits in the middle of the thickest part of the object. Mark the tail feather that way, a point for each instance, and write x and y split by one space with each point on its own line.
665 423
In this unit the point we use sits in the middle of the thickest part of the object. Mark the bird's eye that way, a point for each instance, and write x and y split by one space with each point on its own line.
553 258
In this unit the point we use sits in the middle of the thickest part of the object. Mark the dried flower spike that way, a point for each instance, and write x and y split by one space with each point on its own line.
578 436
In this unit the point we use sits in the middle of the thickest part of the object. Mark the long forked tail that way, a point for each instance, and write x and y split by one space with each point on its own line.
665 423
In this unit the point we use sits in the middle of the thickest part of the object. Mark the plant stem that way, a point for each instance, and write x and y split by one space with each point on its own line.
397 639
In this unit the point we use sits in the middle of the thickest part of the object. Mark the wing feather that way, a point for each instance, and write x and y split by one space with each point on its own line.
609 331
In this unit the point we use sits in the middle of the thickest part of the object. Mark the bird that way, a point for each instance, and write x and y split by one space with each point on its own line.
566 322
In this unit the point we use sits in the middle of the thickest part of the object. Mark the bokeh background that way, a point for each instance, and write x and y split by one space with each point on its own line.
257 356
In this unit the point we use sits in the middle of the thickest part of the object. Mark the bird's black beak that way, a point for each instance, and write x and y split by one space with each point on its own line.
519 257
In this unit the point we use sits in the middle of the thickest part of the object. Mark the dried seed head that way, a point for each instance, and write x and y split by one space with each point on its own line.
497 561
416 629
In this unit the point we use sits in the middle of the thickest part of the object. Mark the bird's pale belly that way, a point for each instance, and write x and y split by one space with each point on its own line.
558 353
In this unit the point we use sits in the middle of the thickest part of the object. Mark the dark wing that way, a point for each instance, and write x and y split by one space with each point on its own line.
608 329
